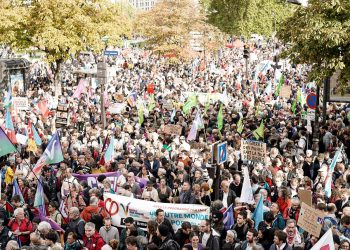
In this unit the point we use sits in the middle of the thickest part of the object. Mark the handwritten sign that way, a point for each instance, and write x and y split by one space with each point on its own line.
171 129
310 219
20 103
61 115
253 151
305 196
286 91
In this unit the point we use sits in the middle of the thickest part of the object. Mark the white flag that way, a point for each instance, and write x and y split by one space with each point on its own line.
326 242
247 191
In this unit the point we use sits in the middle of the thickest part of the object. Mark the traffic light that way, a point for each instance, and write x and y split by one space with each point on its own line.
246 52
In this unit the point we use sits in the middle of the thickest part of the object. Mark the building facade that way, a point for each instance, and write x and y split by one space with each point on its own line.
143 4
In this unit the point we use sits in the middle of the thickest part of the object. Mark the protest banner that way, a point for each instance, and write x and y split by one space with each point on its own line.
121 207
253 151
91 179
171 129
310 219
20 103
305 196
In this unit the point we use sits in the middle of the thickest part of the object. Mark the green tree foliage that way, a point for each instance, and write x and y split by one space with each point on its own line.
244 17
61 28
167 28
319 35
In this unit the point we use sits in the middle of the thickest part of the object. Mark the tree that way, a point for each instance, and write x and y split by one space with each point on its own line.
61 28
245 17
319 35
167 27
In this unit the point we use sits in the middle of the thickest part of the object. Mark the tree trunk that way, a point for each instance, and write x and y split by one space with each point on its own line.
56 70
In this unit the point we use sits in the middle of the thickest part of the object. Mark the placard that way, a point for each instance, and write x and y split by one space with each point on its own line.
310 219
61 115
286 91
171 129
20 103
116 108
305 196
119 97
253 151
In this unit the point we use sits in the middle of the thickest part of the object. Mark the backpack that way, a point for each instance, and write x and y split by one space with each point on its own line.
97 219
171 244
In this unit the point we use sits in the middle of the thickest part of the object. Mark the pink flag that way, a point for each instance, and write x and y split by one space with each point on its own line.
193 132
80 89
42 105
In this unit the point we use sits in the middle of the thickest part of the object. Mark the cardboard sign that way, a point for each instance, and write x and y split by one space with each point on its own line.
116 108
20 103
310 219
305 196
119 97
253 151
168 105
61 115
171 129
286 91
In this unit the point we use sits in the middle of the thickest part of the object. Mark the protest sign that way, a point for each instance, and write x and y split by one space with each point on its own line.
305 196
286 91
253 151
116 108
310 219
61 115
91 179
22 139
171 129
20 103
120 207
119 97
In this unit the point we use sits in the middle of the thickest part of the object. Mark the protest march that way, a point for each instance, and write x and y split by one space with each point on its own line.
201 155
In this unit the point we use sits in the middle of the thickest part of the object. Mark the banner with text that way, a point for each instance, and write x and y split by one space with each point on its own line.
253 151
121 207
91 179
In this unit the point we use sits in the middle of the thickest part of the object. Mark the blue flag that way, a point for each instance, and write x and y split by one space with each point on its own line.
17 191
328 185
258 215
39 198
228 218
110 151
37 138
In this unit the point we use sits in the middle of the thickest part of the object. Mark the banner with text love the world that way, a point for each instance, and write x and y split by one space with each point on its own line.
121 207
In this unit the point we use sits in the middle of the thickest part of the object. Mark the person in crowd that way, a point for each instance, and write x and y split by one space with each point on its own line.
278 222
167 243
251 240
186 195
182 234
208 237
108 232
152 236
76 224
280 241
160 219
72 242
55 215
227 196
194 242
241 226
92 240
129 225
20 226
293 235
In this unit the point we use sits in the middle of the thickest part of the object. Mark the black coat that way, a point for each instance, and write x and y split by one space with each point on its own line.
230 198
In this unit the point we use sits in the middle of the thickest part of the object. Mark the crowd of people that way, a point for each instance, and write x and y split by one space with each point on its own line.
177 167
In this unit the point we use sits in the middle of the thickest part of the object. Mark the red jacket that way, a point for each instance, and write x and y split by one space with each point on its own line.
94 243
24 226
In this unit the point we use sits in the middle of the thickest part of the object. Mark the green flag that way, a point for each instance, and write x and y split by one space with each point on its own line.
348 116
257 111
167 147
280 83
240 125
294 106
140 113
6 146
191 102
151 103
220 122
259 132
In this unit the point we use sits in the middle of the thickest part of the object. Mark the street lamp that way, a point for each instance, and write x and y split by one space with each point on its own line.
246 56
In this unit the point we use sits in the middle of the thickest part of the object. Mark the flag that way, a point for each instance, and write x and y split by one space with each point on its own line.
198 120
80 89
6 146
110 151
9 128
52 155
39 201
348 116
132 99
31 143
220 122
294 106
151 103
37 138
53 224
328 185
30 133
257 109
172 116
17 191
247 191
228 218
43 108
258 215
268 89
280 83
140 113
191 102
240 125
193 132
8 99
325 242
259 132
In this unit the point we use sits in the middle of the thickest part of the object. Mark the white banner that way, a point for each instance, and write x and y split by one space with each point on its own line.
20 103
121 207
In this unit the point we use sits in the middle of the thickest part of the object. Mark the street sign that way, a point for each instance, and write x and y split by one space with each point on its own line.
311 100
111 53
222 152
